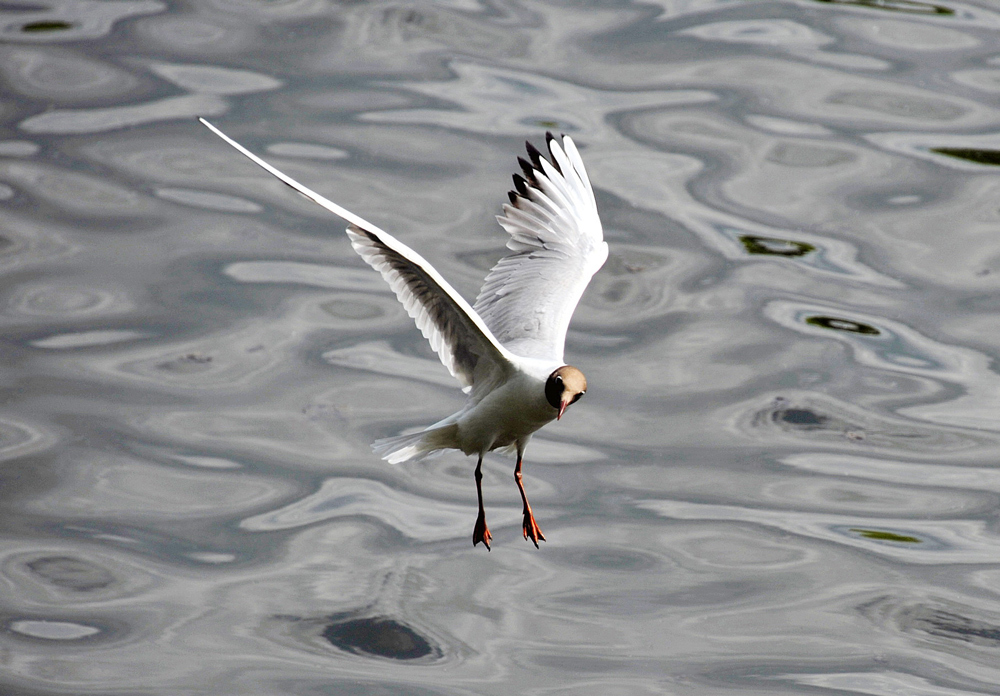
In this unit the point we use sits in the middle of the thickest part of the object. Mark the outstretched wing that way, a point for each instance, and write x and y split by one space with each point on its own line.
459 336
456 333
528 298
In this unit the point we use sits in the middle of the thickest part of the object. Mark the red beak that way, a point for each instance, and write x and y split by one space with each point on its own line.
562 409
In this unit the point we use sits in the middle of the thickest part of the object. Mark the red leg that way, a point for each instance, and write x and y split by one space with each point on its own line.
531 530
481 532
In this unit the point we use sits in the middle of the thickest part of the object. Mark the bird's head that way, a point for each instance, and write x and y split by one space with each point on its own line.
564 387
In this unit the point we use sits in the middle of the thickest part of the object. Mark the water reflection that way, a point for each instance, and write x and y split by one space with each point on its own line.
71 573
376 636
905 6
99 120
65 77
784 475
771 246
942 624
52 25
991 157
883 535
52 630
71 21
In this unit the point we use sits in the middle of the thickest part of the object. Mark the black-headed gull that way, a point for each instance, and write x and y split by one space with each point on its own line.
507 351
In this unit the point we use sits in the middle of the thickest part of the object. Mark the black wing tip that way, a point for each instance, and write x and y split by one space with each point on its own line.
534 154
520 185
527 169
530 169
537 157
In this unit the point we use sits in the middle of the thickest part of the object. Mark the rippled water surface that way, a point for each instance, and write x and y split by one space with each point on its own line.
784 479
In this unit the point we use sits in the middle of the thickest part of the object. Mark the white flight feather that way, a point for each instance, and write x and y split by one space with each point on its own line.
529 297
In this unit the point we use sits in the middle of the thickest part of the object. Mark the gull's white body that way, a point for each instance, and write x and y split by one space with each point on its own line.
507 349
505 416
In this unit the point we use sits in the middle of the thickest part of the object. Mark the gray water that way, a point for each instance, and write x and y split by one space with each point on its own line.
783 479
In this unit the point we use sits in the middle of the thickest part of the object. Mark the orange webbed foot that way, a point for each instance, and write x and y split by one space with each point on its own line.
531 530
482 533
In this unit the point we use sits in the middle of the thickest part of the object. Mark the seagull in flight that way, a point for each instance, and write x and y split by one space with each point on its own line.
507 350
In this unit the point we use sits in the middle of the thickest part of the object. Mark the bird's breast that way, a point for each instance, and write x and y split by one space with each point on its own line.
511 412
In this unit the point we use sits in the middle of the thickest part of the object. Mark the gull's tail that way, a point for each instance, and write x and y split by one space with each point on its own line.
416 446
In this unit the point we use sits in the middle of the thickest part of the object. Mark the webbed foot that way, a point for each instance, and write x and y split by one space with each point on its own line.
482 532
531 530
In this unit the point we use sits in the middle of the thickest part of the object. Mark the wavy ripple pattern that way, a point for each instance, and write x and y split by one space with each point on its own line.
783 478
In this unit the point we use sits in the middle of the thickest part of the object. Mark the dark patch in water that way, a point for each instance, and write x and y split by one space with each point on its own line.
941 619
882 535
909 6
71 573
379 636
773 246
804 419
49 25
801 417
991 157
949 625
838 324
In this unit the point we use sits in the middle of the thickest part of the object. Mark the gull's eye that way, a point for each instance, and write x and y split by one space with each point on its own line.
554 391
